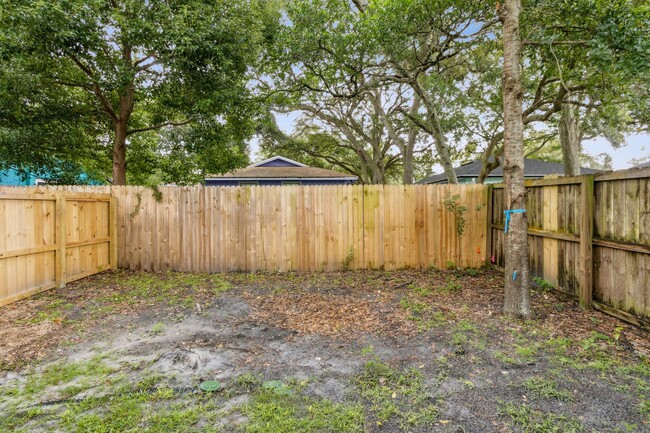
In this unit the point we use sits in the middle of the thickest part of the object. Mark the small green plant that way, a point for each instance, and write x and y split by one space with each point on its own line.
466 326
451 265
459 339
504 358
415 307
157 329
451 285
543 284
452 205
220 285
422 291
347 261
247 381
471 272
644 408
526 353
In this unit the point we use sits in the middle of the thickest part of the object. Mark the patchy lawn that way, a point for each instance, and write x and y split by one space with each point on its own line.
369 351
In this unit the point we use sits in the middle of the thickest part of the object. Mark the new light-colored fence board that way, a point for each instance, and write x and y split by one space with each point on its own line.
589 236
49 238
301 228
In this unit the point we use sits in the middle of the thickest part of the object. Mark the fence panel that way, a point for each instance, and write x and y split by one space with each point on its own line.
591 240
48 238
297 228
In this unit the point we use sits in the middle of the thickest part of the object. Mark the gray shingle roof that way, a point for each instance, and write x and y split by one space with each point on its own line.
532 168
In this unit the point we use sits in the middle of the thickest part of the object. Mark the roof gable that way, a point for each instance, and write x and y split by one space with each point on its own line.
278 161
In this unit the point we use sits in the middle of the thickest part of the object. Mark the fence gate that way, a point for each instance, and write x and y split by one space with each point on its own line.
48 239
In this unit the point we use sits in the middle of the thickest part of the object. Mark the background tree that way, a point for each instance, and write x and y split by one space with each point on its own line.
601 50
584 77
427 45
401 62
107 71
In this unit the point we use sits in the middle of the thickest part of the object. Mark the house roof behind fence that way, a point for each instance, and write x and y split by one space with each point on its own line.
532 168
283 173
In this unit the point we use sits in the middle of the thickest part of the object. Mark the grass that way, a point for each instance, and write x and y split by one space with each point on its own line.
82 373
158 411
172 288
529 420
392 396
546 388
269 411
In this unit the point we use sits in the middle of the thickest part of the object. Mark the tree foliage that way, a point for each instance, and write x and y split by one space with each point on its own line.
443 61
95 80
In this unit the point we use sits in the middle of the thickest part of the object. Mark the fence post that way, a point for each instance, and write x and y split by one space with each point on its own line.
488 238
586 242
61 252
112 221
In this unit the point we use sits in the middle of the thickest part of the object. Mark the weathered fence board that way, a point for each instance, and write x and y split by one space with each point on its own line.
589 236
50 238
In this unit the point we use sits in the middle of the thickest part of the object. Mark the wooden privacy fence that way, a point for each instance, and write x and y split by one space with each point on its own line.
50 238
589 236
301 228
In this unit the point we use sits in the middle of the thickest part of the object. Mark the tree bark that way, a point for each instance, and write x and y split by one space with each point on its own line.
127 103
119 153
517 285
570 139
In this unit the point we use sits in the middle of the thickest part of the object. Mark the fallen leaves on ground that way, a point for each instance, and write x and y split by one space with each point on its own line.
329 314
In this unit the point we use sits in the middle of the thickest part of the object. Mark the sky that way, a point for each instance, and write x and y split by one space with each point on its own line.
637 146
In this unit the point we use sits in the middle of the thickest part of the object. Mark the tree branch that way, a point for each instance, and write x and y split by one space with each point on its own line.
96 89
161 125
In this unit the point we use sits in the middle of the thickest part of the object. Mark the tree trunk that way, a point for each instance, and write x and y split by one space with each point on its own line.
517 285
407 163
570 139
443 149
119 153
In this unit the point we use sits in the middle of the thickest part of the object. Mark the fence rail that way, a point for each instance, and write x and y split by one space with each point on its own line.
48 239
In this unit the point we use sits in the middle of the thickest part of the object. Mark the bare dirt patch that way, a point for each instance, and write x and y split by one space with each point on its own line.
417 351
